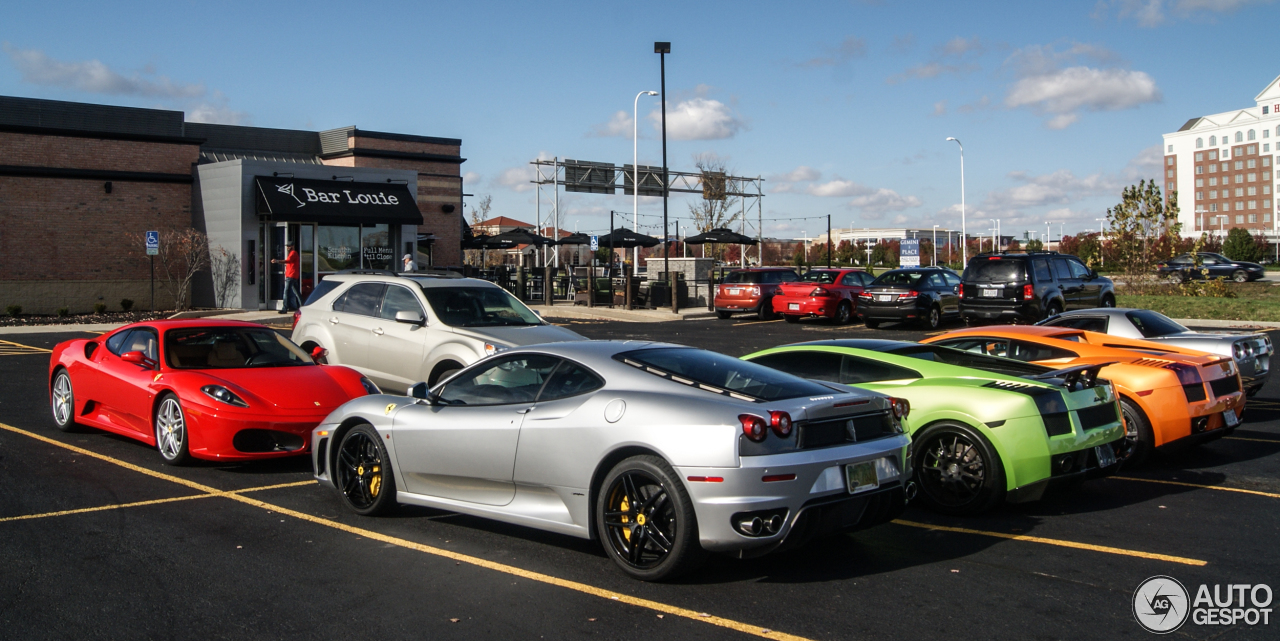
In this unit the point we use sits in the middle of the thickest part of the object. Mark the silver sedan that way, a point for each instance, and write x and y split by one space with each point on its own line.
659 451
1251 351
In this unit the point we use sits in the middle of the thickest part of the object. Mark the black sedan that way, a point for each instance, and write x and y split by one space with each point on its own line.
1183 268
925 294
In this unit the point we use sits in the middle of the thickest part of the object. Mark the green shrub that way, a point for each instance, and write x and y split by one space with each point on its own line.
126 304
14 310
99 308
62 312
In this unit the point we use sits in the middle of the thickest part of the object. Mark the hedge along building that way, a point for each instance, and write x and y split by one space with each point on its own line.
79 183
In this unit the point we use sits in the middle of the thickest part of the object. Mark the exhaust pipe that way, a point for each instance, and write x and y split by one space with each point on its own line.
774 524
751 526
911 491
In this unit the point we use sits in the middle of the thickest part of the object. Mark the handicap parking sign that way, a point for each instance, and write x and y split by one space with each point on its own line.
595 243
153 243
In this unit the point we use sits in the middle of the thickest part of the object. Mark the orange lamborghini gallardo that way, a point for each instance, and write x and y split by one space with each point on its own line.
1167 394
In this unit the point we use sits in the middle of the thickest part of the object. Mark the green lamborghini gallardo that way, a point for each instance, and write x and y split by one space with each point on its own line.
984 429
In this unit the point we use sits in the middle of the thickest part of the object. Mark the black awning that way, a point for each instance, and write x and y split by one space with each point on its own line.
336 202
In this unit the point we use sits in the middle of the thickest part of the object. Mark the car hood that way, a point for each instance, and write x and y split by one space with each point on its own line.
293 388
520 335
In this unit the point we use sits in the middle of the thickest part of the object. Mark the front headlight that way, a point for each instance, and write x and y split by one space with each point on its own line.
490 349
224 395
369 386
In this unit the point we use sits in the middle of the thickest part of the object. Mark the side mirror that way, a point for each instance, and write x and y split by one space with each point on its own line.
318 354
137 358
418 390
410 317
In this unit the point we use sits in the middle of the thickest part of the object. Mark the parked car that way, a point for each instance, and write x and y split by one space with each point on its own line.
1183 268
222 390
983 429
659 451
1167 395
751 291
400 330
925 294
1028 287
1251 351
822 293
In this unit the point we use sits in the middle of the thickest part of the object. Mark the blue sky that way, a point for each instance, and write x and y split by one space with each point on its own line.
843 107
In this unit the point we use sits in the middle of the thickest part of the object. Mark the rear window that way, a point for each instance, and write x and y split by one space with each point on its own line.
983 270
896 279
1153 324
321 290
820 277
723 372
751 278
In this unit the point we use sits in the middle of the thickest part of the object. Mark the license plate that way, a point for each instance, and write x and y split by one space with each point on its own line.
1106 456
793 306
884 298
991 293
1230 417
861 477
735 292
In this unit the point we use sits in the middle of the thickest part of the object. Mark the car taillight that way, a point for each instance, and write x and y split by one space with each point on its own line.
753 427
1028 292
1187 374
901 407
909 295
818 291
297 314
960 290
866 295
781 423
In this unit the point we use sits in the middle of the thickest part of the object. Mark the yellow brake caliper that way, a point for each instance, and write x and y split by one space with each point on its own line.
626 507
375 483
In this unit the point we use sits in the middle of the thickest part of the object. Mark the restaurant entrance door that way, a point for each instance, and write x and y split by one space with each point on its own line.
274 237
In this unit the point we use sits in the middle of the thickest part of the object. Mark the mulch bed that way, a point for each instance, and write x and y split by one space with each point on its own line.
82 319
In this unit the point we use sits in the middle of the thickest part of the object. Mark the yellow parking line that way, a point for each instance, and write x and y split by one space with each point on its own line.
116 506
1255 440
583 588
10 348
758 322
1057 542
1220 488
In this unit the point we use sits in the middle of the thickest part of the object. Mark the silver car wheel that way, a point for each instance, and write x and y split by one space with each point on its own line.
63 400
171 431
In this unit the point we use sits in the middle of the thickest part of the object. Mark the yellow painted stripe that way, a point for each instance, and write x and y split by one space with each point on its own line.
758 322
1058 542
24 349
461 558
1255 440
117 506
1220 488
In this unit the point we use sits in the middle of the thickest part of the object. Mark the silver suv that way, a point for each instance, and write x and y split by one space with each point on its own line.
399 330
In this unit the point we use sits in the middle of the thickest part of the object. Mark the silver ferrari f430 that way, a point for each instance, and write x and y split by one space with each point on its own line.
661 452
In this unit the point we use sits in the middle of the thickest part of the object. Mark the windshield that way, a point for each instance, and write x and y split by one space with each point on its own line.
949 356
983 270
478 307
725 372
1153 324
898 279
230 348
743 277
820 277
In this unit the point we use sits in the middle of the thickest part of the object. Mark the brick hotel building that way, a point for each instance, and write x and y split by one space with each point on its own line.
79 183
1223 168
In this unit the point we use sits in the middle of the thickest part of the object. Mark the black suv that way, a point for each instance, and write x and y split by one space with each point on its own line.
1005 286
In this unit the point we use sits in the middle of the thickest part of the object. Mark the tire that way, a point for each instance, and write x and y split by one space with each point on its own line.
1177 278
636 544
1108 301
934 319
871 324
1053 309
844 313
1139 440
957 470
172 435
1240 276
766 310
723 315
362 472
441 374
791 318
62 400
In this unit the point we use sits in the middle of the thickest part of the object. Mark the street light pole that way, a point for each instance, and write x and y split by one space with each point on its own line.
935 245
635 177
995 229
662 49
964 247
1102 255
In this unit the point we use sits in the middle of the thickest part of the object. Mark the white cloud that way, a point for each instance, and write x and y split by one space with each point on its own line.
838 189
699 119
926 71
217 112
92 76
1067 91
1148 164
883 200
958 46
1152 13
470 177
940 108
620 125
516 178
799 174
852 47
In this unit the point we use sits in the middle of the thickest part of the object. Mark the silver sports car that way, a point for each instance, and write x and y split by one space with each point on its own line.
1251 351
660 451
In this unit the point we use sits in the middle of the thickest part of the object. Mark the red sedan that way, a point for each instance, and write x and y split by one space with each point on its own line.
822 293
224 390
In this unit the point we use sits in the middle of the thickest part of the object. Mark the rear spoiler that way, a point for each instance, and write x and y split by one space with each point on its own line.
1074 378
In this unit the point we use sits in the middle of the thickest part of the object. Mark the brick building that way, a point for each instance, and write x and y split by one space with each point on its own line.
80 183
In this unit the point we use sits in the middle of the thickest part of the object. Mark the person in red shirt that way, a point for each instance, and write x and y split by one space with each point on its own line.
292 266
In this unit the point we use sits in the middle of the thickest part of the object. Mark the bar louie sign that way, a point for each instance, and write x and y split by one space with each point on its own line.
336 202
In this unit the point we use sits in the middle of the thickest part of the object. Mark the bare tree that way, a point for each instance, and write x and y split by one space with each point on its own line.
183 253
225 268
479 214
715 210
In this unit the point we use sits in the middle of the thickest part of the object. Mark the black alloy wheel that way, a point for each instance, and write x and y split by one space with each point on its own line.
1053 309
646 521
958 471
1139 439
362 473
766 310
844 313
1108 300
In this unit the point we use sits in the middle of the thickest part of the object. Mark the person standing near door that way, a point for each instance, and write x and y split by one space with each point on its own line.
292 266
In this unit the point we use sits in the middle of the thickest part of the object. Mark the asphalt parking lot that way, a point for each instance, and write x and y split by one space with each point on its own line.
99 540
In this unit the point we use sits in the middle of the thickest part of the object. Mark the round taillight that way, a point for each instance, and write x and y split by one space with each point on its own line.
781 423
753 427
901 407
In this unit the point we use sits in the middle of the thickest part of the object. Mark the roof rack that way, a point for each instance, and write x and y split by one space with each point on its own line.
1016 252
433 272
368 272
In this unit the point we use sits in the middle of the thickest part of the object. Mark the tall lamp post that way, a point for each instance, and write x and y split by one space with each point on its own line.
1102 256
964 247
935 245
635 178
995 240
662 49
1048 235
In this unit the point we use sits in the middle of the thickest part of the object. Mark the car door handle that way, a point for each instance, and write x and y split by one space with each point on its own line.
334 320
378 331
525 410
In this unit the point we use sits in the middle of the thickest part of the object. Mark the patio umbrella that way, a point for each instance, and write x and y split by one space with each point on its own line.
626 239
720 236
575 239
518 237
